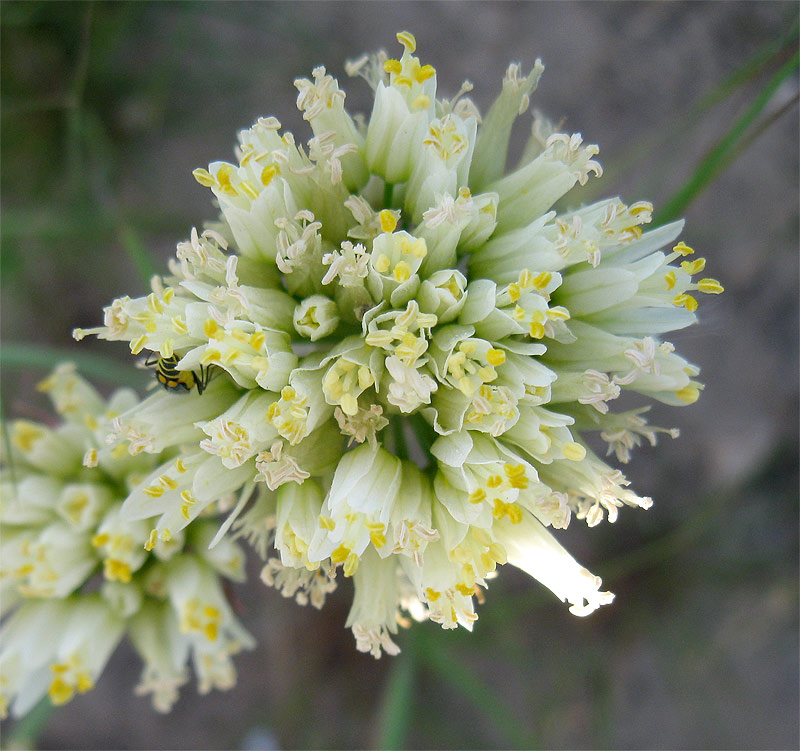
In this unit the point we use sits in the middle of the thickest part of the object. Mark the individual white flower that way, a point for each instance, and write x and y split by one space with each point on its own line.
401 348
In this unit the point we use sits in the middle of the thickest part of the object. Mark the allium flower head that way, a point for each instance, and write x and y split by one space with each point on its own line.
75 577
405 346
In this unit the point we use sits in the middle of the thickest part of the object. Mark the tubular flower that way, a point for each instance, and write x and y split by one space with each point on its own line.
75 576
400 348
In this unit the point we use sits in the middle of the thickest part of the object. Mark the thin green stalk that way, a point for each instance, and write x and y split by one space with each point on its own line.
25 355
137 254
763 57
388 190
28 730
398 702
716 159
462 680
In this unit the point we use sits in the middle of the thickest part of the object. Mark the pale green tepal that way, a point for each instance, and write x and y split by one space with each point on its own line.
407 346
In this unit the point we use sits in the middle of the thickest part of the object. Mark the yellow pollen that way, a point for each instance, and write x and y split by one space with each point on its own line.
477 496
670 278
422 102
340 554
151 541
710 287
179 465
688 394
100 539
402 271
115 570
25 435
693 267
432 595
406 38
424 73
388 221
137 345
685 301
465 589
536 330
204 177
168 482
573 451
494 481
269 172
393 66
326 522
154 491
210 328
514 291
382 263
683 249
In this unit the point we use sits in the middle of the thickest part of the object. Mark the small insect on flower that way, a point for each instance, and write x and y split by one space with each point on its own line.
172 379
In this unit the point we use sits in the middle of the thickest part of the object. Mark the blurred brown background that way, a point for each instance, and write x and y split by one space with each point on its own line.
107 108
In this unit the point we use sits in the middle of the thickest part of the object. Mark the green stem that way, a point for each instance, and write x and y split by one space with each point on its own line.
717 158
398 702
388 190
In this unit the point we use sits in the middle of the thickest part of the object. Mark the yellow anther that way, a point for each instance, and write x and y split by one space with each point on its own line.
406 38
403 80
496 357
494 481
693 267
179 325
100 539
487 374
169 293
388 221
422 102
514 291
245 187
224 174
431 595
382 263
168 482
365 379
573 451
204 177
166 535
137 345
710 287
670 279
685 301
268 173
424 73
683 249
115 570
541 280
349 404
326 522
402 271
179 465
477 496
151 540
257 339
393 66
468 348
688 394
288 393
154 491
378 538
340 554
536 330
558 313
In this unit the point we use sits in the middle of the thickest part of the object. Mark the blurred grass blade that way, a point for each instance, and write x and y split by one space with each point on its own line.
25 355
767 55
137 254
717 158
398 703
461 680
26 732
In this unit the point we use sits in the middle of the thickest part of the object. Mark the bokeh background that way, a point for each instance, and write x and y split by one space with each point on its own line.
107 108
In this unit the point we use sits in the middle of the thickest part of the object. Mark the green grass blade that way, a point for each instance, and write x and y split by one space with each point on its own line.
137 254
717 158
767 55
398 703
463 681
25 355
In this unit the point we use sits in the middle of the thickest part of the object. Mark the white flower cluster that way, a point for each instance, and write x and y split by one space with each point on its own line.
75 577
399 349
